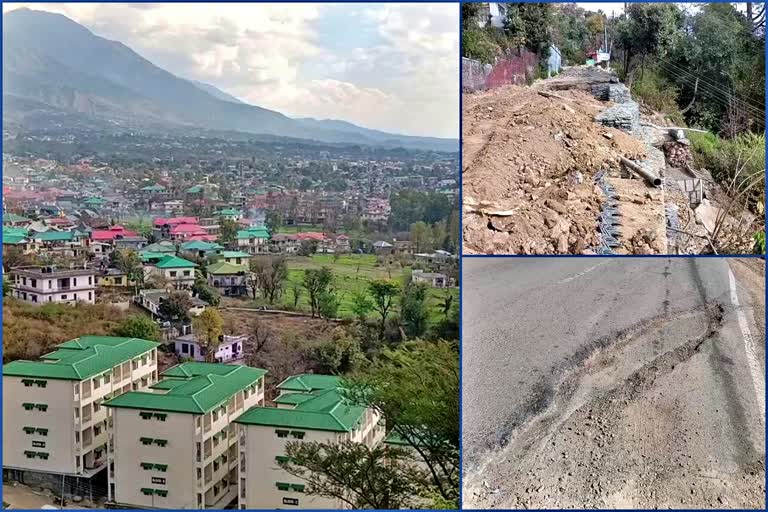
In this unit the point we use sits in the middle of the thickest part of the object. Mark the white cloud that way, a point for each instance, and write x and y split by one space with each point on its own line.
405 81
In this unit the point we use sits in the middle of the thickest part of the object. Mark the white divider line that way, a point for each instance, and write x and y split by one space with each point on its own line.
587 271
758 377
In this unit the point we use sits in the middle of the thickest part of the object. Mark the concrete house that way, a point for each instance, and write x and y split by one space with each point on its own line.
253 240
230 348
41 285
229 279
150 299
54 421
433 279
234 257
175 444
178 271
309 408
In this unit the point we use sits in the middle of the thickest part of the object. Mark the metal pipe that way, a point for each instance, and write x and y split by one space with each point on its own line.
651 178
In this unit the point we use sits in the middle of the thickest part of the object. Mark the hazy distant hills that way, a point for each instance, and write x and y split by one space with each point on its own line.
50 61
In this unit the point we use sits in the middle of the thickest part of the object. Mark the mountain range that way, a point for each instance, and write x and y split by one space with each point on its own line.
54 65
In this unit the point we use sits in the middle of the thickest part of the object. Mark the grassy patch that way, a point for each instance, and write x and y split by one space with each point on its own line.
657 93
30 331
352 273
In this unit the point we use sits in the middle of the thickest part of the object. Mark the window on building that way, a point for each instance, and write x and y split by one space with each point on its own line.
64 296
172 273
281 433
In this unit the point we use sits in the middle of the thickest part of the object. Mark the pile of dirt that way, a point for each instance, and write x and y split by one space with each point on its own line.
532 157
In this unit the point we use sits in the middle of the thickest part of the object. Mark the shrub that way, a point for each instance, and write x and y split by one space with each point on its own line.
759 242
658 93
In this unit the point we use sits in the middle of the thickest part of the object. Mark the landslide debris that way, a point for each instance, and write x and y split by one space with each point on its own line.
532 156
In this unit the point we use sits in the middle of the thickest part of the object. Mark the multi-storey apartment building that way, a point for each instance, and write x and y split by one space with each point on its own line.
309 408
175 445
54 421
41 285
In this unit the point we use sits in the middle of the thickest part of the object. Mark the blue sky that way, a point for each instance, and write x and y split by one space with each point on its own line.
391 67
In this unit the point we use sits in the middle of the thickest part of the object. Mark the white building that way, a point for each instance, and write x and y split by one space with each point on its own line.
41 285
309 408
175 445
177 271
53 416
230 348
150 300
493 13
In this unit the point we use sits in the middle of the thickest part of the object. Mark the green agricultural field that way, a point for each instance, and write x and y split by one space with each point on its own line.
352 273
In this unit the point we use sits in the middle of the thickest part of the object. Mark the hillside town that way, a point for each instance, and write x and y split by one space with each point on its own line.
178 404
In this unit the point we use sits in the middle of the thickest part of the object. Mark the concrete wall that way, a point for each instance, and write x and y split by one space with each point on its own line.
178 454
510 69
58 419
262 471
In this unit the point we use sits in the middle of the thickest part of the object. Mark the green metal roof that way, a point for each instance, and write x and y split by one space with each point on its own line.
154 188
194 190
224 268
146 256
235 254
249 233
161 247
169 261
94 200
11 230
13 239
13 217
309 382
229 211
394 439
192 387
200 245
81 358
53 236
325 410
293 398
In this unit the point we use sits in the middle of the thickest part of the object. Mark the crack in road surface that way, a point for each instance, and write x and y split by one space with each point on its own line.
656 417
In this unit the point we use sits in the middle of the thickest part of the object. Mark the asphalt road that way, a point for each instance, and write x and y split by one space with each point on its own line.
528 321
